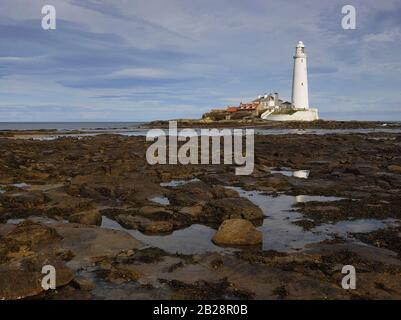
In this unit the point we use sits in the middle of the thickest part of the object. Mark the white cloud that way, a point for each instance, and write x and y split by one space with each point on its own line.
392 35
152 73
14 59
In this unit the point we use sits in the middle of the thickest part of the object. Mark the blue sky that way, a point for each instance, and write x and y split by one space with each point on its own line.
129 60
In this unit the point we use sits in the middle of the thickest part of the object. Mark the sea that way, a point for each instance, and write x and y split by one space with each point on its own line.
69 126
61 129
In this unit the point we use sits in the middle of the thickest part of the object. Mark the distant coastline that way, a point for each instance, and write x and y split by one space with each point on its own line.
123 126
64 126
55 130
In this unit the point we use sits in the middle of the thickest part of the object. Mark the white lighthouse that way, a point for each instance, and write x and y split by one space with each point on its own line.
300 98
298 109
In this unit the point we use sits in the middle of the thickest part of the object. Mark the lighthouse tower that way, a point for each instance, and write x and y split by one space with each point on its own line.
300 99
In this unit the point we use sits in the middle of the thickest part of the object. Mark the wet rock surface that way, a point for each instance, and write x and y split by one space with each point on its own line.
91 217
71 184
219 210
22 260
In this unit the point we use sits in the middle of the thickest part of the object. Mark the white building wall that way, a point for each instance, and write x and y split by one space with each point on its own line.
301 115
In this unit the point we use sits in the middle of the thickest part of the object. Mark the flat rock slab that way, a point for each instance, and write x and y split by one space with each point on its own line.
88 242
19 283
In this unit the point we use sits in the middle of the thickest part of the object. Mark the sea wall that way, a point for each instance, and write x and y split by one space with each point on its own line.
302 115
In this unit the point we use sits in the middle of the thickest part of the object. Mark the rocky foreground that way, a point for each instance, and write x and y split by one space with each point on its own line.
56 195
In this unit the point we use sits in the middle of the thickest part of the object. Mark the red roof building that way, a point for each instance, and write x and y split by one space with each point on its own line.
232 109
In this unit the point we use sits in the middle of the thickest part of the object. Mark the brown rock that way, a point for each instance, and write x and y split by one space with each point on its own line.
90 217
84 283
144 224
194 211
121 275
89 242
222 192
25 200
31 234
218 210
18 284
394 168
237 232
154 211
156 226
277 182
27 281
191 193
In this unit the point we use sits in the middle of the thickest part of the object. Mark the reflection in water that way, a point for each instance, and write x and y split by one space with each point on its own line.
44 220
160 200
177 183
21 185
192 240
14 221
304 198
342 228
279 231
302 174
